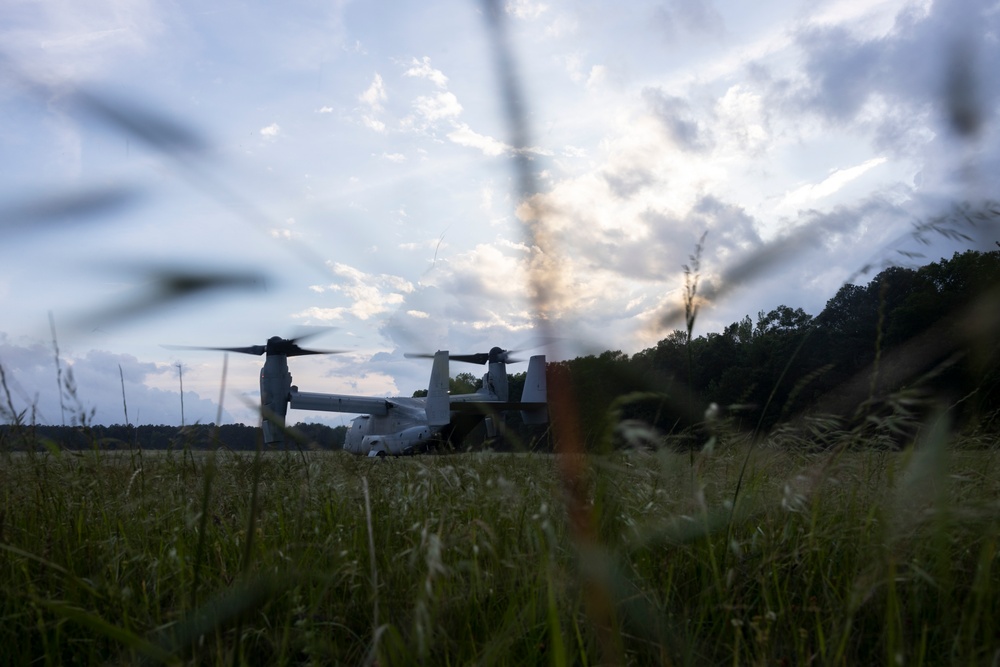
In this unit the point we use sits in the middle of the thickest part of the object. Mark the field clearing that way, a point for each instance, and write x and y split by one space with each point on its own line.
850 558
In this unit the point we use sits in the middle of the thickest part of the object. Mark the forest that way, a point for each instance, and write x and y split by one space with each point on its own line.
234 437
909 343
882 356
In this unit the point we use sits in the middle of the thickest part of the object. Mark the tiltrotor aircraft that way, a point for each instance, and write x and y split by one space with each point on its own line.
398 425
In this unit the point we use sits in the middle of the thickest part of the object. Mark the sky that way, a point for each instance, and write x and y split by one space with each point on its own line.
175 173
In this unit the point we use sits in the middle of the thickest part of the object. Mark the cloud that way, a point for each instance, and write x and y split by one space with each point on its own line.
463 135
285 232
597 77
375 94
679 19
270 131
909 64
742 123
526 9
370 295
612 236
834 182
562 26
678 120
92 388
437 107
373 124
356 381
482 292
422 69
628 181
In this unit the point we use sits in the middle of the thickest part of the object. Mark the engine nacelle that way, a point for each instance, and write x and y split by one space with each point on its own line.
406 441
275 386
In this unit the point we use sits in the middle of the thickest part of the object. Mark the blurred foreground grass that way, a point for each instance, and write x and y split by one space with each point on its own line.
851 558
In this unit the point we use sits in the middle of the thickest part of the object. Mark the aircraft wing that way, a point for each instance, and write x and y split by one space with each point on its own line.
369 405
485 407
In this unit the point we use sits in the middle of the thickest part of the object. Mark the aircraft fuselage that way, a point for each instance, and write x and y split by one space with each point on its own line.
402 430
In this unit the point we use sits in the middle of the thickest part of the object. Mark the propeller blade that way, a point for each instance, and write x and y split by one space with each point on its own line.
541 341
252 349
275 345
306 332
290 348
296 351
480 358
496 355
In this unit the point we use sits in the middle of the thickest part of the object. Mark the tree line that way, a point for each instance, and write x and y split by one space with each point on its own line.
908 343
235 437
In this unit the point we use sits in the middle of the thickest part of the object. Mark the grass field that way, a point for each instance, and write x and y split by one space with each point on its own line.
323 558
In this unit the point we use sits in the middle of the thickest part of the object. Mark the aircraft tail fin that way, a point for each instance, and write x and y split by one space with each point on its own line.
438 405
535 391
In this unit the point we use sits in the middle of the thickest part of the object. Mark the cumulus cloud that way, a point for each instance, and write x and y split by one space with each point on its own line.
369 294
678 19
285 232
270 131
92 388
375 94
573 63
628 181
463 135
838 179
437 107
526 9
422 69
743 124
678 120
372 100
911 64
598 76
482 292
632 220
373 124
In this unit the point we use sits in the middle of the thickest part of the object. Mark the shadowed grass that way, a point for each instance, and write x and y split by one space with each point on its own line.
852 558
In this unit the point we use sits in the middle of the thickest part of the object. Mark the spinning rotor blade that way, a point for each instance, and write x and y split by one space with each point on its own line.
479 359
294 350
496 355
305 332
252 349
275 345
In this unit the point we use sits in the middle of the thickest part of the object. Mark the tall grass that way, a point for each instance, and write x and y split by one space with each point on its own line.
849 558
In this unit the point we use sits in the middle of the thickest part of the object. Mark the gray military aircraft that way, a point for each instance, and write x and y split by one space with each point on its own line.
399 425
